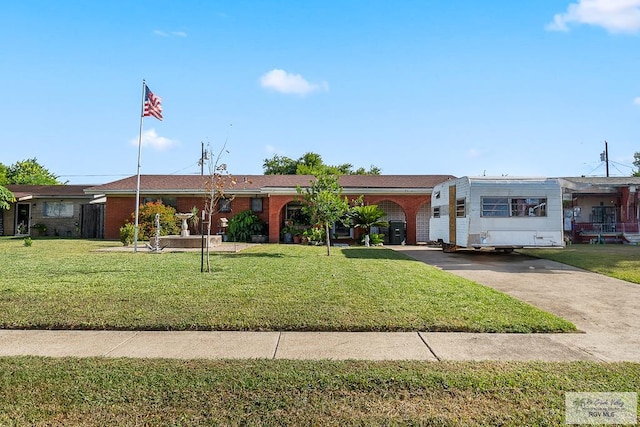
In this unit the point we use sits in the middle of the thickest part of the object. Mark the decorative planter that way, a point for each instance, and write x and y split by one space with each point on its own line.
258 238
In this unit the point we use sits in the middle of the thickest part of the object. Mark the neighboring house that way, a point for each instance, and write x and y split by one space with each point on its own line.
53 210
406 199
598 209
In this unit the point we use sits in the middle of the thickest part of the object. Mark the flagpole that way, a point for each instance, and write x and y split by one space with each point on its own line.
135 231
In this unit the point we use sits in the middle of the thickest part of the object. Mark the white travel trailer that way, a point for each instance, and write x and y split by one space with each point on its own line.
497 213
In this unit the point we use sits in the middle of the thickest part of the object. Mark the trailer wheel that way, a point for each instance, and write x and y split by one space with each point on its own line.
448 247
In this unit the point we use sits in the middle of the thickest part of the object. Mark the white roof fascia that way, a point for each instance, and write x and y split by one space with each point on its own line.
277 191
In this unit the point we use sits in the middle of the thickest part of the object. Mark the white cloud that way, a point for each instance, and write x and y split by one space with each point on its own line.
616 16
473 153
636 101
161 33
283 82
150 138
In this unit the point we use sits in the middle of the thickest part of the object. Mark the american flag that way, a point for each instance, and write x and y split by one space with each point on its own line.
152 104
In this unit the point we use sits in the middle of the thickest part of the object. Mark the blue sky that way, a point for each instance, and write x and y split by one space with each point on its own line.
510 87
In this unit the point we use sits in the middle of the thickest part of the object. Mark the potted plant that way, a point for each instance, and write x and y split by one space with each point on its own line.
287 234
368 216
257 232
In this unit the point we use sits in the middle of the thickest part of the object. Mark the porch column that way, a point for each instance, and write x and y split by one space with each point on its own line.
276 203
410 216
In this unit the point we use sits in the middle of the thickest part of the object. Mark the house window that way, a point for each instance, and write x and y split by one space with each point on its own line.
224 205
341 231
256 204
167 201
461 208
495 207
436 212
58 209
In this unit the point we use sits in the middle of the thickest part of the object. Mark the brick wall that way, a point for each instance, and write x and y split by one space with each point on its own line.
119 210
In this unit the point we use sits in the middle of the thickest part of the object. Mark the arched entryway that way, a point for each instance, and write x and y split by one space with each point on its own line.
394 212
294 222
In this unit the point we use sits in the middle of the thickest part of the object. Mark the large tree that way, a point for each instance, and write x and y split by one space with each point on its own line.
311 164
30 172
6 196
324 203
3 175
636 163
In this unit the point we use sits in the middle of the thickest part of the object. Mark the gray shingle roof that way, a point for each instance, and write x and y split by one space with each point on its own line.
45 191
255 183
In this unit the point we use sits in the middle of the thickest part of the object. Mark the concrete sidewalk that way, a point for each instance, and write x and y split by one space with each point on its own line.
605 310
428 346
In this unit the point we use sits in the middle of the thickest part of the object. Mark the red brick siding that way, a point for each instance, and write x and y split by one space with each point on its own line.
119 210
410 205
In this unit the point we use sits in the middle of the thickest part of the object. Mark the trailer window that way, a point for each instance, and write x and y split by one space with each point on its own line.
504 207
436 212
461 208
495 206
530 206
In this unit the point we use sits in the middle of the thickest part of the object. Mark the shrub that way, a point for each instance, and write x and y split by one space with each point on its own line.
244 225
28 242
147 220
376 239
127 233
315 235
40 228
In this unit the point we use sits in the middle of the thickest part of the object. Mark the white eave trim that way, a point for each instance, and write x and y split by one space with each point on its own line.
268 191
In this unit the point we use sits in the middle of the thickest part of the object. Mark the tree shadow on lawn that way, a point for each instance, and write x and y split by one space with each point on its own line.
250 255
374 253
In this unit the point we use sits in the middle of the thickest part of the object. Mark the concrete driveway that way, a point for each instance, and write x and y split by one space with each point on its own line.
605 310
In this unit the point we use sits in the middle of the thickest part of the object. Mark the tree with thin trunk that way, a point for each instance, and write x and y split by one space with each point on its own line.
324 203
216 184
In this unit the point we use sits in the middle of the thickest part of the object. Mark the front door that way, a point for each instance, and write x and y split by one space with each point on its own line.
605 217
452 214
23 214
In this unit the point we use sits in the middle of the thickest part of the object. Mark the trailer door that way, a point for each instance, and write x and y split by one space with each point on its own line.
452 214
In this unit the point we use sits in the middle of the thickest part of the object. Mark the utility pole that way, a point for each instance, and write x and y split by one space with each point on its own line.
604 156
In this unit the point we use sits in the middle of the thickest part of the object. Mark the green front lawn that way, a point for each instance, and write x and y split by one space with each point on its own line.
99 392
619 261
65 284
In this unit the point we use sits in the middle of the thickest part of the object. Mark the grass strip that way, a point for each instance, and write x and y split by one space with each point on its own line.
42 391
618 261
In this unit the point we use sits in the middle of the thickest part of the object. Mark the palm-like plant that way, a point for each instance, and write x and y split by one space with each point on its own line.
366 217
